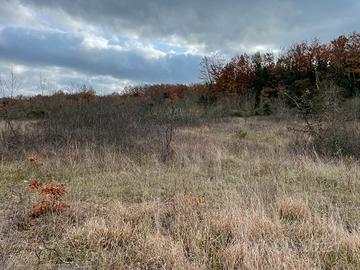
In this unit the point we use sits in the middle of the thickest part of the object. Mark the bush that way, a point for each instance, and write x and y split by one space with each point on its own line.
132 125
352 107
340 139
330 122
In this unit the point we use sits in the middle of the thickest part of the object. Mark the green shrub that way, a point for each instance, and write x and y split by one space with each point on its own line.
332 126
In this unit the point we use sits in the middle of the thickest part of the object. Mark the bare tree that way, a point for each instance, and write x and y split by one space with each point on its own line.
8 87
43 85
211 67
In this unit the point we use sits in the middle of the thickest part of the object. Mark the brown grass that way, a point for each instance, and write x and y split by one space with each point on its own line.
223 202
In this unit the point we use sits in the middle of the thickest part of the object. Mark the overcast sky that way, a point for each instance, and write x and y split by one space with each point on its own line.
113 43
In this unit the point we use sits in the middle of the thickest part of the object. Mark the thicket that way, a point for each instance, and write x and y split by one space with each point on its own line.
330 120
128 123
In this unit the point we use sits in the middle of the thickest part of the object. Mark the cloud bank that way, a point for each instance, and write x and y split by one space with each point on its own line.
112 43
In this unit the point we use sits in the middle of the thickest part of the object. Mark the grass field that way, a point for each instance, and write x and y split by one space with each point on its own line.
237 194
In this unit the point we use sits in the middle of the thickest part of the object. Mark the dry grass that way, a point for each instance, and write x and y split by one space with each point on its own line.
224 202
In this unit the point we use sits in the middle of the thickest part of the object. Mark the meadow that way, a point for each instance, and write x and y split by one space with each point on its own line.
237 193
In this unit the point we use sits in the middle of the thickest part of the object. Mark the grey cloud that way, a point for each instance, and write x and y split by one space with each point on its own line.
221 25
54 48
53 79
44 35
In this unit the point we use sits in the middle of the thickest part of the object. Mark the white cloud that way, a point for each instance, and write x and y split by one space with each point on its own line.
33 80
19 69
147 50
95 42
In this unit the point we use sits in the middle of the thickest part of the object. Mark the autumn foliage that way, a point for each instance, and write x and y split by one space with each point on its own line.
50 198
297 69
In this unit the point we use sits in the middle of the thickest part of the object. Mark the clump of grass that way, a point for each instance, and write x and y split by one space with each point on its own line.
241 134
293 210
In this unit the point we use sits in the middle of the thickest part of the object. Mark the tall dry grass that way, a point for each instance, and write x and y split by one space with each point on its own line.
233 196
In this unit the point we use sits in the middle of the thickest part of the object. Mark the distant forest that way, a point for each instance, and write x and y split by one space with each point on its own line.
296 72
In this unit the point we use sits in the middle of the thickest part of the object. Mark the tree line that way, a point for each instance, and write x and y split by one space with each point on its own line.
296 71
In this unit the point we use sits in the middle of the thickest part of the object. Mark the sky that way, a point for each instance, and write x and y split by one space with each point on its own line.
111 44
